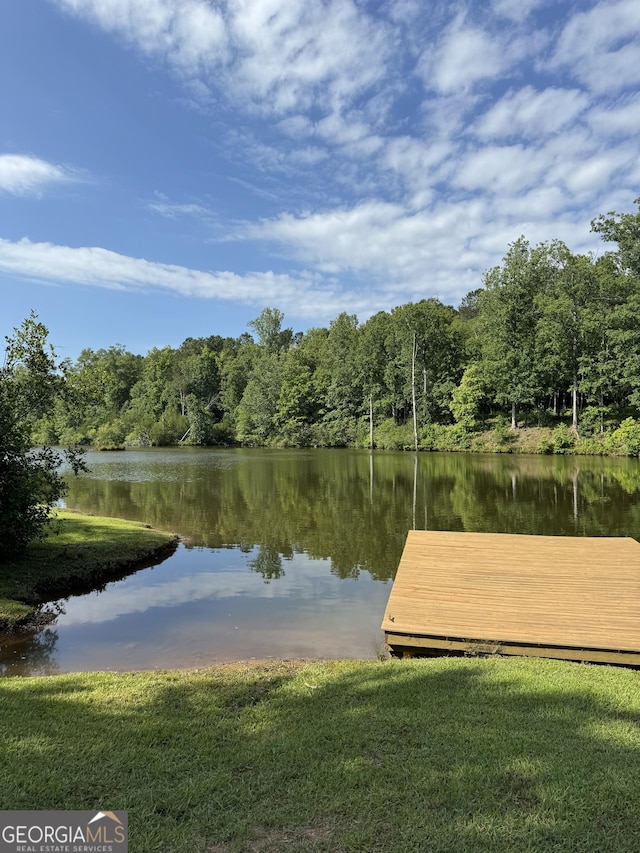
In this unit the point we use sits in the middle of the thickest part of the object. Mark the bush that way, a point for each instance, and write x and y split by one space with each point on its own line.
110 436
502 433
545 445
628 437
445 438
596 445
563 439
392 436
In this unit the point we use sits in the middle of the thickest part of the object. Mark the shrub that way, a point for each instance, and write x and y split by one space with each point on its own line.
502 433
563 439
445 438
392 436
628 436
545 445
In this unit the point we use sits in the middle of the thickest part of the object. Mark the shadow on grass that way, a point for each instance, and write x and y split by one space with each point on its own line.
464 755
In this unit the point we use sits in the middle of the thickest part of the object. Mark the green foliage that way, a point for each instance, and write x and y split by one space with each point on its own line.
548 330
392 436
451 437
595 445
467 398
30 481
507 322
110 436
169 429
77 552
563 439
502 433
545 445
627 436
623 229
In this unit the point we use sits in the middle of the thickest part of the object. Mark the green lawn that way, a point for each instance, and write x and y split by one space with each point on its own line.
446 755
80 553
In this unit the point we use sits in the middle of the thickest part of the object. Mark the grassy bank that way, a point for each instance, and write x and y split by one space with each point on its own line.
425 755
80 553
498 437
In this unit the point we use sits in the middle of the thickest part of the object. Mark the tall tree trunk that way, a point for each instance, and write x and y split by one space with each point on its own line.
415 488
514 423
371 421
413 391
574 394
601 414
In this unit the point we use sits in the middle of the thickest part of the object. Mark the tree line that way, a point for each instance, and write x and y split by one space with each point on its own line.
549 335
550 338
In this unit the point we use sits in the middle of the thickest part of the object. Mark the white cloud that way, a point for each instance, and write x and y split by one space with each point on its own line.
418 206
503 168
191 34
595 174
465 56
409 255
97 267
529 113
172 210
277 55
516 10
620 119
601 47
24 175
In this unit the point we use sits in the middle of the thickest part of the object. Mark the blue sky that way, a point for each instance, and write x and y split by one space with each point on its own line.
168 168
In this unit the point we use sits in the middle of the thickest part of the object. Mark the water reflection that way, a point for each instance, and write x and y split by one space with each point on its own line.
29 654
354 508
285 550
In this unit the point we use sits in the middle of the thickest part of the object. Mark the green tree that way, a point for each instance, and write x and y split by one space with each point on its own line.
268 327
467 398
30 482
507 323
256 413
298 402
623 229
372 359
564 334
343 401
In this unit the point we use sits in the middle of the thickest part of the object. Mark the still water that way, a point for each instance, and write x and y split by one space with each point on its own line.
291 553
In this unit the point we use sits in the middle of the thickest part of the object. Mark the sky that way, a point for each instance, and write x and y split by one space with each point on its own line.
169 168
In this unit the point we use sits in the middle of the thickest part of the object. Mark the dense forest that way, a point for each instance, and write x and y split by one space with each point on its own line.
550 339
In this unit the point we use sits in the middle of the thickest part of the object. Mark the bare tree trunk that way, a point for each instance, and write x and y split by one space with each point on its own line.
413 391
601 414
514 423
415 488
574 394
371 421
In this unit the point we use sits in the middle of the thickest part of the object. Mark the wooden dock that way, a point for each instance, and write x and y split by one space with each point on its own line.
573 598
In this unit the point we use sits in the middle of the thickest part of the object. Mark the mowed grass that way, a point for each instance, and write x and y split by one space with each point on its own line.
418 755
79 553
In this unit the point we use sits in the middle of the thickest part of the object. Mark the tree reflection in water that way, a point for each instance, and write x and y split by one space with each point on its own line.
29 654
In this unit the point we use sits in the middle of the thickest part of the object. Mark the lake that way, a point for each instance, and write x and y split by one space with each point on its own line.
291 553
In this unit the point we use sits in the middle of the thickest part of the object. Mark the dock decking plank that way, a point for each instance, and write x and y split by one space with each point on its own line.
572 593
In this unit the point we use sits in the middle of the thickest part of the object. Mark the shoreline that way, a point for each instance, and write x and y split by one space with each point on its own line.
84 553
